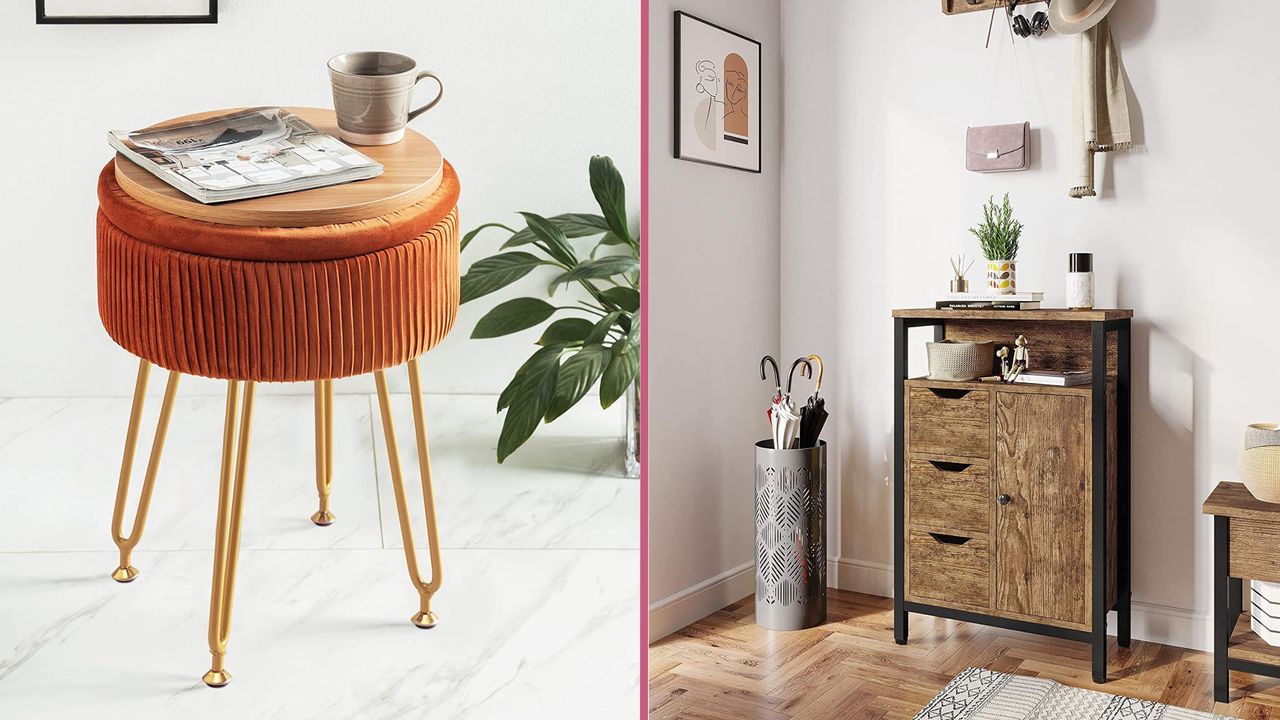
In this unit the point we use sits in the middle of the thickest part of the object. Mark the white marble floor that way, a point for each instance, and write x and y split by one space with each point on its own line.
539 605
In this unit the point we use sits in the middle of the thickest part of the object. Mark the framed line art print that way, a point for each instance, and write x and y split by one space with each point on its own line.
717 95
102 12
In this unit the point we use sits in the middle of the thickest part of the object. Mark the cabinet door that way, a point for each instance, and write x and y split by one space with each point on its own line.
1042 532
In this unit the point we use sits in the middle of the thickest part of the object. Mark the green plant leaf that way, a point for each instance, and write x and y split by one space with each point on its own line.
610 239
597 269
611 194
601 329
573 225
577 225
527 399
496 272
566 331
621 372
624 298
512 316
552 236
531 367
466 239
576 377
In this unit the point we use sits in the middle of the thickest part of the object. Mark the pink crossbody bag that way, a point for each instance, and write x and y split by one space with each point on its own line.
997 148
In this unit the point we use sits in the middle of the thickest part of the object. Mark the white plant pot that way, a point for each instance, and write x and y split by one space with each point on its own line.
1002 276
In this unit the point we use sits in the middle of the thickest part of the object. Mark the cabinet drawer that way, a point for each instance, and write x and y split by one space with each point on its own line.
950 495
1253 549
949 421
949 570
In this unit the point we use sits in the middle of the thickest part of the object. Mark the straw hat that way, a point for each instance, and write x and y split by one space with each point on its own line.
1068 17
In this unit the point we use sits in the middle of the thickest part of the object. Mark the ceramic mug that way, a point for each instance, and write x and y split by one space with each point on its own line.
371 95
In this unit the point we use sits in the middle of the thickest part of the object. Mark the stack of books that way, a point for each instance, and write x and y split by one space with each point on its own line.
991 301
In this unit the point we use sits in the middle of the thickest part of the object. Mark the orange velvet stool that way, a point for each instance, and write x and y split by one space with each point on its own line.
278 304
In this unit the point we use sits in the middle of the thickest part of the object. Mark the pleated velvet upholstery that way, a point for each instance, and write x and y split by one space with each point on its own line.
284 319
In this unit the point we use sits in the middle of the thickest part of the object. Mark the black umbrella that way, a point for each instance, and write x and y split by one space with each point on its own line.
814 413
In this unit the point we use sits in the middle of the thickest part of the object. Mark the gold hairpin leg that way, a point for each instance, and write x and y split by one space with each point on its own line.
424 617
324 450
226 543
126 572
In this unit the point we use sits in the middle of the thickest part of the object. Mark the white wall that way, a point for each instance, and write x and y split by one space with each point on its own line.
533 89
713 311
875 197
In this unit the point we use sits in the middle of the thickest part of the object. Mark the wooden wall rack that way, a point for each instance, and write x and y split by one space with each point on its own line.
955 7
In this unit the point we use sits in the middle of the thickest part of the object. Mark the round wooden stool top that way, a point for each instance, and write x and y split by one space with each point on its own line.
412 170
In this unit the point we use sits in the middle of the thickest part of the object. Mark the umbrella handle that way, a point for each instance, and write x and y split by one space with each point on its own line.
800 362
777 377
817 359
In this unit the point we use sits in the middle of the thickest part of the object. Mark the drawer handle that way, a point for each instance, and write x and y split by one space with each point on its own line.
1003 499
949 393
945 466
946 539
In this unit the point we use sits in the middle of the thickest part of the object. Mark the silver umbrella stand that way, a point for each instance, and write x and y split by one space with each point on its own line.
791 548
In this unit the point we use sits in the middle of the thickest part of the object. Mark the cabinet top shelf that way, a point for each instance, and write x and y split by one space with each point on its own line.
1233 499
1061 314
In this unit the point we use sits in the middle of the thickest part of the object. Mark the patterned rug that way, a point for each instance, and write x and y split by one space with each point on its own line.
977 694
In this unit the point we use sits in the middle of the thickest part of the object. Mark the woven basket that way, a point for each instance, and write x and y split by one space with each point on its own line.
1259 464
960 361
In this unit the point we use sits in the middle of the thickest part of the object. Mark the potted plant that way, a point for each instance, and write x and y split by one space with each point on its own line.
998 234
596 339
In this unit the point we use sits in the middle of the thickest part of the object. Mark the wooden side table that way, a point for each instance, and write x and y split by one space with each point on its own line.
1246 545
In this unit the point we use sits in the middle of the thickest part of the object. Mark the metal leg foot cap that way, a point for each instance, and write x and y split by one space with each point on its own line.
124 573
425 620
217 678
323 517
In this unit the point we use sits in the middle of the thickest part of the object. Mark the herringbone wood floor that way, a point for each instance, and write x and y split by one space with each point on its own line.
725 667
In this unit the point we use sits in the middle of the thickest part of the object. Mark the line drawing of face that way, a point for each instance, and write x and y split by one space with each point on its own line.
735 87
708 79
709 85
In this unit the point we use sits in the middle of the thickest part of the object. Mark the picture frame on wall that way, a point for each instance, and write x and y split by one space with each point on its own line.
102 12
717 95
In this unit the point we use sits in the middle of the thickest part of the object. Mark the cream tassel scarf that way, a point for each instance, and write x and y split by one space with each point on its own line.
1100 105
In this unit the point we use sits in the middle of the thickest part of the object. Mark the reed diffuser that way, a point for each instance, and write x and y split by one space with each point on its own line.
959 284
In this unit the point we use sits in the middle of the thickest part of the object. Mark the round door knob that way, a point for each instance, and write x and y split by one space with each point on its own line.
1003 499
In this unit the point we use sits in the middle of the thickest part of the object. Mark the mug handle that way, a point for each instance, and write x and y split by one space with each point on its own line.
427 74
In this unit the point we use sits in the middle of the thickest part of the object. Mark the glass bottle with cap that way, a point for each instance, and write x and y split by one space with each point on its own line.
1080 281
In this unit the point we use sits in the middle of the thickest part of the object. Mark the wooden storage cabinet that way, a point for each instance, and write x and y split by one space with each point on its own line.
1012 500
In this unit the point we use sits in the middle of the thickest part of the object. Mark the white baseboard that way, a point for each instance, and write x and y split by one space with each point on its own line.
679 609
860 576
1152 622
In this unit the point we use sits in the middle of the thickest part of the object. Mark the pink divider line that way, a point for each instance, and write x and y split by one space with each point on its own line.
644 358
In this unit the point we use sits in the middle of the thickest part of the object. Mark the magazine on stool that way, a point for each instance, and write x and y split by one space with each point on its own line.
245 154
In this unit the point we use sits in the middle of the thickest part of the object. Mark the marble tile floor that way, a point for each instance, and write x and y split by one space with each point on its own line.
539 605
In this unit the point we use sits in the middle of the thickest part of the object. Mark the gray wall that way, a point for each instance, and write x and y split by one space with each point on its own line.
713 304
